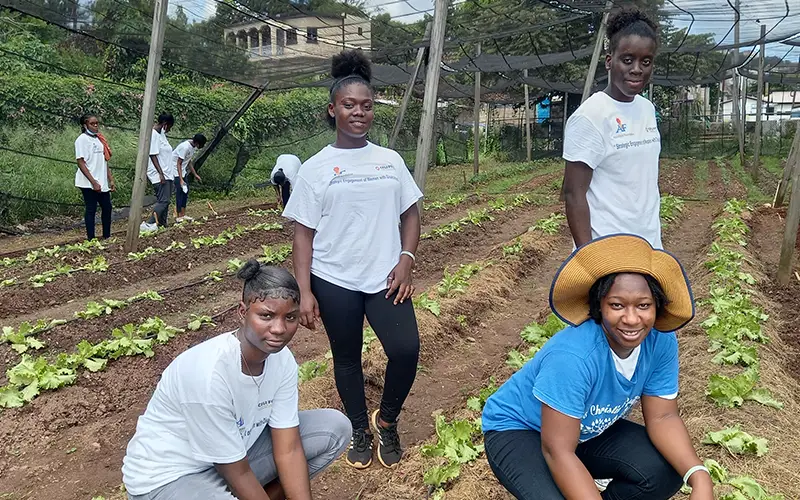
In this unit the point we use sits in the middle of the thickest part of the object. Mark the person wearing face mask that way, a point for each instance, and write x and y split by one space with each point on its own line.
223 422
612 142
357 227
94 177
560 421
161 172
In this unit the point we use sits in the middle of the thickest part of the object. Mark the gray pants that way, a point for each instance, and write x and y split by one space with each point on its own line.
325 435
161 208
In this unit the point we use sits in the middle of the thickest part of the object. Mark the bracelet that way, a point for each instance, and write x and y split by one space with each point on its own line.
406 252
692 471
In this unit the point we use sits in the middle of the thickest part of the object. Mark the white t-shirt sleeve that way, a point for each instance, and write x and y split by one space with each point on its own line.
211 428
583 142
305 205
285 407
154 144
83 149
410 192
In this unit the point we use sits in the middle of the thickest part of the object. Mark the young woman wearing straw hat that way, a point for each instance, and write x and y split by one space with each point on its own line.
560 421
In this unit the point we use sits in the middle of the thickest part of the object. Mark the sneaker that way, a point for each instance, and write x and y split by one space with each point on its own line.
178 220
360 453
187 218
389 451
147 227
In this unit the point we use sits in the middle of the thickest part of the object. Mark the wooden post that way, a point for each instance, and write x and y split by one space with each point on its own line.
412 80
759 107
140 180
790 231
735 90
598 47
527 119
791 161
428 117
222 132
476 118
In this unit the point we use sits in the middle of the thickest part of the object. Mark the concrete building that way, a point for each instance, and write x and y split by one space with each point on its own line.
301 35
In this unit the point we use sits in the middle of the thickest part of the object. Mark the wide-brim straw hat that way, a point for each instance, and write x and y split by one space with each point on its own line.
620 253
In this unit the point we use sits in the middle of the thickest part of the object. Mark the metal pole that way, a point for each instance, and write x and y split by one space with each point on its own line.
412 80
759 106
476 118
527 119
431 94
735 90
140 180
598 46
344 15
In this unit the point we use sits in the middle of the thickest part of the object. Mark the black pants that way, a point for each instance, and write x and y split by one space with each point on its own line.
342 313
91 199
623 453
161 207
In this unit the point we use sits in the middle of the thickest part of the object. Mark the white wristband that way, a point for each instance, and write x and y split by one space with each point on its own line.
692 471
406 252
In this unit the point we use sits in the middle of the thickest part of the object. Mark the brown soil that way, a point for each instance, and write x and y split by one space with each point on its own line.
735 188
677 177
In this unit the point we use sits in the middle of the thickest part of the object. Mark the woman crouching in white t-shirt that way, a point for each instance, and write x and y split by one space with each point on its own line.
351 259
612 143
223 422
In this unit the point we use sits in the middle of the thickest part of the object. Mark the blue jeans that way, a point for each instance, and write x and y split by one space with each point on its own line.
325 435
623 453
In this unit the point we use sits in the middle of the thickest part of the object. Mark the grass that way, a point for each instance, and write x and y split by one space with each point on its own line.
754 193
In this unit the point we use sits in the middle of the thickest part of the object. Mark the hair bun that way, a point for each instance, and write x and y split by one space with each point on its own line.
625 17
249 270
351 62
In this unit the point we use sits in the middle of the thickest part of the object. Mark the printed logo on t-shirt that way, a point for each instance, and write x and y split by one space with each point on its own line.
621 127
264 404
338 171
240 422
601 417
384 167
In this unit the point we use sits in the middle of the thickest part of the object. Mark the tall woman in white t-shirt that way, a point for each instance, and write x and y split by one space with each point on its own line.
612 143
356 230
93 177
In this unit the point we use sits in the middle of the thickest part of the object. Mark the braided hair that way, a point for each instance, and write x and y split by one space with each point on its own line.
263 282
630 21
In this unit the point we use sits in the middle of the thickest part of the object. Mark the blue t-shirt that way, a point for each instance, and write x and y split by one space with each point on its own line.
574 373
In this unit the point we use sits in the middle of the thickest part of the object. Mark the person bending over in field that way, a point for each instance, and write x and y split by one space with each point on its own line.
282 176
183 165
93 176
160 172
560 421
356 230
223 422
612 143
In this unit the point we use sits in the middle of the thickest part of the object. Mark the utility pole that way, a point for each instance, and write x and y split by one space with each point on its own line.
598 47
735 88
140 180
344 15
476 114
527 118
412 80
759 106
432 72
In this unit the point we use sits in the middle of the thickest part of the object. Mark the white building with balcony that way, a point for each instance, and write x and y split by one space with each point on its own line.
302 35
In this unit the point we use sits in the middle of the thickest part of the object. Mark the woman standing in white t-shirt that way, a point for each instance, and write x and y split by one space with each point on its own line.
612 143
351 259
93 177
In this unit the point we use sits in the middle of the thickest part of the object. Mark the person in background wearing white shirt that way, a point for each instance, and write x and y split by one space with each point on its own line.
356 230
223 422
282 176
183 166
93 177
160 172
612 143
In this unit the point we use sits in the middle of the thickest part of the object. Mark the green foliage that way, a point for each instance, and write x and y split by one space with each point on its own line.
276 254
737 441
8 282
739 487
311 369
671 208
39 280
734 391
234 265
425 302
96 309
23 338
197 321
550 225
513 249
263 213
214 276
455 283
476 403
455 444
368 338
477 217
148 295
535 336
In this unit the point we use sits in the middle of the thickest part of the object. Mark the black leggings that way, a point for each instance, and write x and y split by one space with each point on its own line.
342 313
91 199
